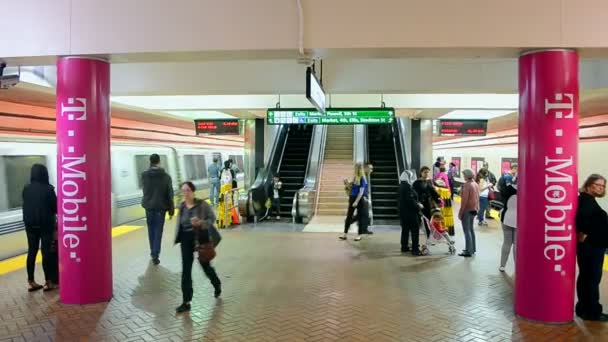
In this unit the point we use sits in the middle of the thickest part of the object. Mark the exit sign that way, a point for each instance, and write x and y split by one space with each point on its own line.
334 116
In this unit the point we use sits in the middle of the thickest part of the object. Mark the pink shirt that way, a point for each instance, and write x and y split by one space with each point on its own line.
469 195
444 177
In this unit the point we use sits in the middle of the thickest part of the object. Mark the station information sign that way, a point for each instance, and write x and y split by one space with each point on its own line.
314 91
333 116
217 127
463 127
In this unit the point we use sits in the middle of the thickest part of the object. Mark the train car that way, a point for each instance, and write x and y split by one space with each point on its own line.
470 154
129 160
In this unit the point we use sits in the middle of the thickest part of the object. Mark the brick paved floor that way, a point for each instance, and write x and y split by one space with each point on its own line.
286 285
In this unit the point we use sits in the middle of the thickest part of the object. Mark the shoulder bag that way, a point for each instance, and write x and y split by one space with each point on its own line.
206 251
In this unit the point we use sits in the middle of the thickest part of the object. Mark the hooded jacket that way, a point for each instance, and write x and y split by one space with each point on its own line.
158 190
39 201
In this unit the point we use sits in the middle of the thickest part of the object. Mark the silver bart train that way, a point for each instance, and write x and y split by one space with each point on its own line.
129 160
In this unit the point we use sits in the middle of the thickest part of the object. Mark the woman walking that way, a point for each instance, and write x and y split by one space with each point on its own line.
356 200
469 207
195 230
509 223
39 217
592 236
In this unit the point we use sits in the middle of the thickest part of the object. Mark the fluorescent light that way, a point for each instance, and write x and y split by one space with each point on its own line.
453 101
29 77
475 114
198 114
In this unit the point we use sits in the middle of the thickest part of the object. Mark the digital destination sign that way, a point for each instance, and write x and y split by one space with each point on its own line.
334 116
463 127
217 127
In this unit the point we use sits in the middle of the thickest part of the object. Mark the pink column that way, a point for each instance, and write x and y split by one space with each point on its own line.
83 180
547 186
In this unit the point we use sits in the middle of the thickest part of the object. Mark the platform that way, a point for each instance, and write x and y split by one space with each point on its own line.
283 284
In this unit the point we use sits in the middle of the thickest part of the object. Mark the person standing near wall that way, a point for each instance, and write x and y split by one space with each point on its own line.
39 216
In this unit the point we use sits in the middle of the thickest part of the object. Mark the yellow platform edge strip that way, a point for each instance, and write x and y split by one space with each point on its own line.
496 215
18 262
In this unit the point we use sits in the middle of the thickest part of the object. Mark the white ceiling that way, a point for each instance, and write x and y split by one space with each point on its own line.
416 87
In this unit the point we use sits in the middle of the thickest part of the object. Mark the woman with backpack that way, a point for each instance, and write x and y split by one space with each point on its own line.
196 232
484 192
39 217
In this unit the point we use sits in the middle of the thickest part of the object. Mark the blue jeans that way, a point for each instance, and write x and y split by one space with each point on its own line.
156 223
214 190
483 206
469 233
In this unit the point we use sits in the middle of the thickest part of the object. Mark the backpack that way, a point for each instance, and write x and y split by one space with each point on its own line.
226 176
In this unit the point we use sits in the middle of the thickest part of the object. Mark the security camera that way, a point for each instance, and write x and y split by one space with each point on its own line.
7 81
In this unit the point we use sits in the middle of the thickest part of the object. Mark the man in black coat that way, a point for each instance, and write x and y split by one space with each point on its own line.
409 215
157 200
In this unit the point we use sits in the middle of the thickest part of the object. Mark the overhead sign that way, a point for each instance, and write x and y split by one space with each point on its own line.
463 127
219 127
334 116
314 91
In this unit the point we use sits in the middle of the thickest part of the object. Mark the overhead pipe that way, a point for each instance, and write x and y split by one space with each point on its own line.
301 26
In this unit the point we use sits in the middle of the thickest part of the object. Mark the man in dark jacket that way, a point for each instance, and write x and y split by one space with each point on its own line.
592 236
157 200
409 215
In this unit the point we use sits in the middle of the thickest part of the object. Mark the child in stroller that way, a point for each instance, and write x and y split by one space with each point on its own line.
439 233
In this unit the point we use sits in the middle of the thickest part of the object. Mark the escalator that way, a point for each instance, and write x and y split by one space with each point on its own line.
385 178
292 168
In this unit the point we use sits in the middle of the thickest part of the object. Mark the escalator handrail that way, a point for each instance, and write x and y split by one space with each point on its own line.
369 177
321 165
397 149
311 185
400 144
283 150
265 174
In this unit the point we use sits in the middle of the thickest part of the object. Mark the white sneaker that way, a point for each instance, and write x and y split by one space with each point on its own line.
278 217
342 237
501 268
358 238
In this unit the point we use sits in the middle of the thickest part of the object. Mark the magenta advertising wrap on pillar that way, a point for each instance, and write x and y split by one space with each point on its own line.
83 180
547 186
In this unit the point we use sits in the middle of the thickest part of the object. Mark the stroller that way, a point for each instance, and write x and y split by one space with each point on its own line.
438 235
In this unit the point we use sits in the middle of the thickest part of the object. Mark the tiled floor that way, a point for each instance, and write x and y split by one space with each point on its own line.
287 285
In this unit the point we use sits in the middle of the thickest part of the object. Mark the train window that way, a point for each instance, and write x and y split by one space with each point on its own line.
17 170
238 160
196 167
239 163
142 163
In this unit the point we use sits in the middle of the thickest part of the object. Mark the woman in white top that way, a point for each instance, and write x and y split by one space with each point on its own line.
509 223
484 192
